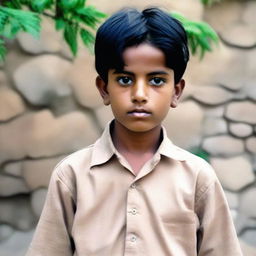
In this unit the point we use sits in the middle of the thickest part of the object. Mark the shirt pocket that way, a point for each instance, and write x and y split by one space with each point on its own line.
181 233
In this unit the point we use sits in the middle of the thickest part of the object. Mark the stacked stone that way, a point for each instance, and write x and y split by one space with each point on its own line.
50 107
233 144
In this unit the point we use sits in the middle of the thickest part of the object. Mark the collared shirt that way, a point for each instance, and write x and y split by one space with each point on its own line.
96 206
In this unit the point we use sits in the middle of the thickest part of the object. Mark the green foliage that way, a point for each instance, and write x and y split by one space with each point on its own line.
209 2
73 17
78 20
2 50
201 153
70 35
200 35
40 5
12 21
87 38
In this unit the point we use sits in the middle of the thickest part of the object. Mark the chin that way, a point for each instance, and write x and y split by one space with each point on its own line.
141 127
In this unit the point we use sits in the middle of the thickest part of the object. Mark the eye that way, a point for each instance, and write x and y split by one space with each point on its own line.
157 81
124 80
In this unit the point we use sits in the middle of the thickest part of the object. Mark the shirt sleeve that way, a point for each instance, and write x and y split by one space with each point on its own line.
216 235
52 236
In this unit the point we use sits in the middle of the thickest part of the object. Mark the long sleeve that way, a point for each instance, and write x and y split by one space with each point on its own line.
52 236
217 235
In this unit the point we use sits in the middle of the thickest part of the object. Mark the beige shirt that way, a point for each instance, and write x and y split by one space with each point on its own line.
96 206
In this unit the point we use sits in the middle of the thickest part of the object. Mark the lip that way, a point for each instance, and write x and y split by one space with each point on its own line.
139 113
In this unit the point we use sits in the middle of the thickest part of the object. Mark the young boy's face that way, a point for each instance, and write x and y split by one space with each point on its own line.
142 93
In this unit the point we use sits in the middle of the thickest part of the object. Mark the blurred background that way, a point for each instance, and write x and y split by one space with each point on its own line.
49 107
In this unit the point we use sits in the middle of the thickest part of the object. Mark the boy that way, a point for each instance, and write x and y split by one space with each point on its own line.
133 192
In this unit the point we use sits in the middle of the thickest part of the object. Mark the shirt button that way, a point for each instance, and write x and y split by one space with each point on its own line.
134 211
133 186
133 238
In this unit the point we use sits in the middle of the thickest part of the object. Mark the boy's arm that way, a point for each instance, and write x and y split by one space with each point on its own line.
52 236
217 235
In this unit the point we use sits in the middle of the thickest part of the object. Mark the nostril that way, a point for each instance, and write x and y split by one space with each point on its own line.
139 99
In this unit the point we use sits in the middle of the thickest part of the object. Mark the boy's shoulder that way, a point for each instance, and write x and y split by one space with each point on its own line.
204 174
81 156
70 166
201 169
192 160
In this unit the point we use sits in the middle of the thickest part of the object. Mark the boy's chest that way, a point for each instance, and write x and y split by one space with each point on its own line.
110 197
168 187
120 207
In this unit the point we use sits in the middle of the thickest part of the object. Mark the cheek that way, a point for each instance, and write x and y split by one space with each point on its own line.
118 104
163 105
164 100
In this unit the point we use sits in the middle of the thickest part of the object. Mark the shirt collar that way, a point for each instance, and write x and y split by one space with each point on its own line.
104 148
168 149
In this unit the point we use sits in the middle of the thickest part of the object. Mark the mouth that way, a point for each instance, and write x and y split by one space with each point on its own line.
139 113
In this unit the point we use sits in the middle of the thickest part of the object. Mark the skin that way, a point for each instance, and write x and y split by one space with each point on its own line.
140 96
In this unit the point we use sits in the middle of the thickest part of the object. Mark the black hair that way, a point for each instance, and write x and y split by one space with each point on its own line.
130 27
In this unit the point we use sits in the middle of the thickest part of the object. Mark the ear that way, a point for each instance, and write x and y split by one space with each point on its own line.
178 89
102 87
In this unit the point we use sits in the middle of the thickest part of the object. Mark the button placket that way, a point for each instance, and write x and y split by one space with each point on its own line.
132 218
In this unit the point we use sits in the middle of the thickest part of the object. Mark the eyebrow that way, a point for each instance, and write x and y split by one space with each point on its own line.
159 72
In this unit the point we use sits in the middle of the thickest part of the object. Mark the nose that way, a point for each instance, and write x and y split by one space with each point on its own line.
139 92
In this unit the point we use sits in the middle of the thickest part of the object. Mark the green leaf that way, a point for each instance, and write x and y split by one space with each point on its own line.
69 4
59 23
3 20
2 50
89 15
13 4
41 5
193 45
201 153
10 30
70 35
88 39
209 2
81 3
26 21
200 35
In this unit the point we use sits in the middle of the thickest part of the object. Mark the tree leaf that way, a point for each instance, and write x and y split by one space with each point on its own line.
11 29
200 35
3 20
41 5
88 39
59 23
67 5
26 20
2 50
13 4
209 2
81 3
90 16
70 35
200 152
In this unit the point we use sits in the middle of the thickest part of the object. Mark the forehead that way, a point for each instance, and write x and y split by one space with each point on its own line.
144 56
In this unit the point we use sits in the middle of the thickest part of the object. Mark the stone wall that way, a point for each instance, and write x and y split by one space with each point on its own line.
49 107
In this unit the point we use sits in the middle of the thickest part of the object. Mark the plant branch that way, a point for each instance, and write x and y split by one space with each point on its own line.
49 15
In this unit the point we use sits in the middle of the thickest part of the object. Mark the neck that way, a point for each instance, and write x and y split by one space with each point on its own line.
127 141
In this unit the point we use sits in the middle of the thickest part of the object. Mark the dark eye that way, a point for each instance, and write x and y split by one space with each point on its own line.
157 81
124 80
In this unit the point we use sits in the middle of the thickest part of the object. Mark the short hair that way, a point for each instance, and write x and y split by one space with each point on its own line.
130 27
